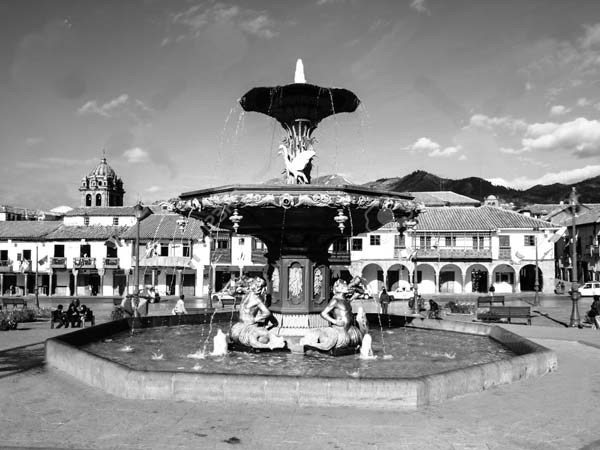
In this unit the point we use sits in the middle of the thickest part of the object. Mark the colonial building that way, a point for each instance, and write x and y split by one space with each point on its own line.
459 250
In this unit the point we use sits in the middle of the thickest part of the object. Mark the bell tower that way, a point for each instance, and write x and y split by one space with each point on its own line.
101 187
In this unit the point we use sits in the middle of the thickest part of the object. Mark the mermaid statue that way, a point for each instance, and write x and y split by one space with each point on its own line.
343 332
253 327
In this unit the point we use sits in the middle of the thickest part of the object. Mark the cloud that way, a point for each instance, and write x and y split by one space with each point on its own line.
136 154
121 106
564 177
582 102
591 37
433 149
152 189
559 110
191 22
420 6
580 137
496 124
33 141
511 151
53 162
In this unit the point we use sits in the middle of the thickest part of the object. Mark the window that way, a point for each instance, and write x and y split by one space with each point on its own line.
529 240
257 244
241 241
375 239
111 252
86 221
115 221
399 241
3 255
505 277
98 200
27 255
59 251
450 241
357 245
85 250
425 242
223 244
477 242
340 245
164 249
186 251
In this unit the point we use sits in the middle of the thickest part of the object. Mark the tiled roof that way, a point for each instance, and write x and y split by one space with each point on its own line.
92 232
165 226
588 213
485 218
27 230
102 211
444 198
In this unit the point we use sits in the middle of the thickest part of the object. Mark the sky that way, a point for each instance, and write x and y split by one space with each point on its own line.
504 90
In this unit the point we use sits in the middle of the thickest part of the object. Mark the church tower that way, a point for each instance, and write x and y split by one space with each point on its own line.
102 187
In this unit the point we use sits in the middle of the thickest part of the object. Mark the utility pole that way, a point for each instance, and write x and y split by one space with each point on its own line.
574 204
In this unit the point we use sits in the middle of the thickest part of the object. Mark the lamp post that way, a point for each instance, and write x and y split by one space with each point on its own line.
573 204
141 212
536 285
412 225
37 263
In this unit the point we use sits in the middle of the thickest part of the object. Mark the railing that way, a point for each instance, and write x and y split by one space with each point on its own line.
454 253
111 263
84 263
504 253
5 265
220 255
58 262
258 256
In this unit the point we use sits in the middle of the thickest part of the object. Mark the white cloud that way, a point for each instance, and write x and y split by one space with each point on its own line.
198 17
420 6
136 154
462 158
582 102
122 105
152 189
565 177
580 136
494 124
433 149
511 151
106 109
591 38
559 110
33 141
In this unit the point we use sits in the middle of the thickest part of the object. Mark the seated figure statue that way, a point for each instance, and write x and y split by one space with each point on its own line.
252 330
342 332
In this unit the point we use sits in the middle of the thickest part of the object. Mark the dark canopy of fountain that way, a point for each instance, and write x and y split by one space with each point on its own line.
290 103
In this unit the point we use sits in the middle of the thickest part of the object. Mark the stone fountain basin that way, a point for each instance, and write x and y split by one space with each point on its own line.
64 355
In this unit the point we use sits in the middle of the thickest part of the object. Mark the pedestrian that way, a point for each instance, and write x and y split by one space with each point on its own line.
492 289
384 299
179 308
593 314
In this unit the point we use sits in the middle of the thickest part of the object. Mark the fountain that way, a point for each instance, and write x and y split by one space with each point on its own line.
292 335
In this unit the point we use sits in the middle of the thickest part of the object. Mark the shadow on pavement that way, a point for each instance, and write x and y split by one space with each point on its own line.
21 359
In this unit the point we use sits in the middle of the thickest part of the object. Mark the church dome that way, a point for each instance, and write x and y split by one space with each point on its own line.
103 170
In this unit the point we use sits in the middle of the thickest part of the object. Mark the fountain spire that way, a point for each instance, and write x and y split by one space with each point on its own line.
299 74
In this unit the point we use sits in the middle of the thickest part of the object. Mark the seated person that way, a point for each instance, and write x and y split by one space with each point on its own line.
434 310
86 315
593 315
73 317
59 317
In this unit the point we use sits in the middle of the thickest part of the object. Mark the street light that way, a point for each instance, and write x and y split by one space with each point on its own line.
536 285
574 206
141 212
412 226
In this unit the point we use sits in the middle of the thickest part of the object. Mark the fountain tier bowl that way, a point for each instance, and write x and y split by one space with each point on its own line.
68 354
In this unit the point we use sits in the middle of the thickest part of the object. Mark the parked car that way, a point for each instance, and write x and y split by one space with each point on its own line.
590 289
402 292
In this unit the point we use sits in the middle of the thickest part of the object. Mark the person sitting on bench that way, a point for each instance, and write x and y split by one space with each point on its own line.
59 316
593 315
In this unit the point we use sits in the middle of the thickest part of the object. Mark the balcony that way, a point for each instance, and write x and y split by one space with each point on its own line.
454 253
58 263
258 256
6 265
504 253
341 258
111 263
593 251
84 263
220 256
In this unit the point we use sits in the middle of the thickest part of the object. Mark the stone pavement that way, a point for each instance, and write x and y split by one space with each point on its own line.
45 409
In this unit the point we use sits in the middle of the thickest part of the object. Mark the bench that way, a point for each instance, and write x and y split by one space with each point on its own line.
14 302
496 313
487 301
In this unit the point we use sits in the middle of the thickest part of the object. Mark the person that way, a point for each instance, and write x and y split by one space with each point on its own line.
593 314
72 315
179 308
253 327
384 299
434 310
59 316
492 289
134 305
153 295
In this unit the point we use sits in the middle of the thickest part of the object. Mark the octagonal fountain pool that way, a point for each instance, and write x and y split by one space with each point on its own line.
417 362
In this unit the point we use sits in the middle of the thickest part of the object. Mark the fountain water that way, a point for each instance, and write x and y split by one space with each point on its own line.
298 222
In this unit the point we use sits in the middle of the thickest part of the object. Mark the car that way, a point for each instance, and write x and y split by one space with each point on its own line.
402 292
590 289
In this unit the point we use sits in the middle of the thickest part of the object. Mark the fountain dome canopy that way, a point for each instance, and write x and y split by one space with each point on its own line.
290 103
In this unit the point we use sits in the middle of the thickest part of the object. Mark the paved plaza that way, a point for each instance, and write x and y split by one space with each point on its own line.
46 409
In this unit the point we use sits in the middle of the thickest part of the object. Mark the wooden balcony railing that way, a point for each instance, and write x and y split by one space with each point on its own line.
220 256
258 256
5 265
340 258
449 253
111 263
58 262
84 263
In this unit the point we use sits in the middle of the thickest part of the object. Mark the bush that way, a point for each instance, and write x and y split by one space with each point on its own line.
8 321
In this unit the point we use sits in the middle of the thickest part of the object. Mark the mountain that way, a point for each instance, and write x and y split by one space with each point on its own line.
478 188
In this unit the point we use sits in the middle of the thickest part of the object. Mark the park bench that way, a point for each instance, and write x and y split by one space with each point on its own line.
488 301
14 302
497 313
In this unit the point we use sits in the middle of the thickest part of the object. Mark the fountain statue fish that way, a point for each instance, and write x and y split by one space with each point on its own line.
366 351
